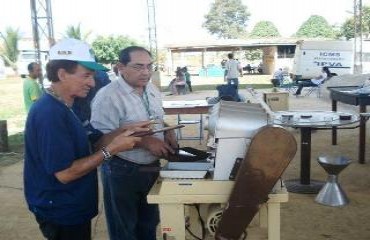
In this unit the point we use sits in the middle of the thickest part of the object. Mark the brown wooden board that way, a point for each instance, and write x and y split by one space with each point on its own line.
270 152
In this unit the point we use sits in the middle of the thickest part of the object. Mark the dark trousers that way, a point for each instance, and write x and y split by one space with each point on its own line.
52 231
189 85
302 84
129 216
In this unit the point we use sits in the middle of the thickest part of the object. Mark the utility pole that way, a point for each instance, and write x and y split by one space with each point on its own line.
357 15
152 29
42 27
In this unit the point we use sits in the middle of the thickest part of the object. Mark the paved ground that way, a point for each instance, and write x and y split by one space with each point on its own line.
302 218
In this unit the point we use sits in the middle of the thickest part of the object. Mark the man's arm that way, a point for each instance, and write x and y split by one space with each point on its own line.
240 69
82 166
108 137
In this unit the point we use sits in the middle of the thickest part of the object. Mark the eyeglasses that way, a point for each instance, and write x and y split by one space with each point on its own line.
141 67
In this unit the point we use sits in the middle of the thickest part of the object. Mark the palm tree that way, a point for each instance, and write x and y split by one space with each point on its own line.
9 50
75 32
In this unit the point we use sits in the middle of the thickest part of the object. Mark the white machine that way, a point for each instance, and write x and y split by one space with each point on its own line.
231 126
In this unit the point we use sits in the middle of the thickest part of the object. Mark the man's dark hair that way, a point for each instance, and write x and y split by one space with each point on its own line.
31 66
54 65
326 69
230 56
124 55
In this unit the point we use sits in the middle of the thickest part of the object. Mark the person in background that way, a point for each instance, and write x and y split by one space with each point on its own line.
233 70
277 78
180 81
82 106
260 68
60 177
132 98
187 78
248 68
223 62
31 88
324 75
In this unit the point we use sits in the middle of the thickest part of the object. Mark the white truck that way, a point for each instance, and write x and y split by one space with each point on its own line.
28 54
25 57
311 56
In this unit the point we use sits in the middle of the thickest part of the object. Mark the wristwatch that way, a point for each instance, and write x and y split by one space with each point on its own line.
106 154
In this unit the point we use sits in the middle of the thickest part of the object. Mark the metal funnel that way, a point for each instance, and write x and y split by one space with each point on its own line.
331 193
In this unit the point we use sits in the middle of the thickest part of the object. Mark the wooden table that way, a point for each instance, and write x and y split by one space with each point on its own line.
306 121
341 94
186 107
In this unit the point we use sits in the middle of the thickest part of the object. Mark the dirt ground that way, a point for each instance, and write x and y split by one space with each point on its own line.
301 218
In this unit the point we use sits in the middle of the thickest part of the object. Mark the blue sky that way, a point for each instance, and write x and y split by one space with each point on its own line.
177 20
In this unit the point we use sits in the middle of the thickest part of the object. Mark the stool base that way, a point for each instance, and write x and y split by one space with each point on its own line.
295 186
332 194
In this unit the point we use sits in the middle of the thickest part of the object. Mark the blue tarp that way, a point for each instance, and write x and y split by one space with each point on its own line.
212 71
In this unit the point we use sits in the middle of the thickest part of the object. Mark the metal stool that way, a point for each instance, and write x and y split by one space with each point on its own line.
331 193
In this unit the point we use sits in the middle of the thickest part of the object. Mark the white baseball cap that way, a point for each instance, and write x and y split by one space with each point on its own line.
75 50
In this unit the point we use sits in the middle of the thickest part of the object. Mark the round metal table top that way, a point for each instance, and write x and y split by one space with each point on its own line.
313 118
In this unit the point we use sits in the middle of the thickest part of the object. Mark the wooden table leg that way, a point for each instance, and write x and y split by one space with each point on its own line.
273 221
172 220
305 155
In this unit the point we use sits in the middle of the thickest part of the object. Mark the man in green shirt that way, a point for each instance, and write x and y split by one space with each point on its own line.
187 78
31 89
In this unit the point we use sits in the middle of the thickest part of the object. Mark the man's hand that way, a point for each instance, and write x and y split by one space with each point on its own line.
137 126
156 146
122 142
127 129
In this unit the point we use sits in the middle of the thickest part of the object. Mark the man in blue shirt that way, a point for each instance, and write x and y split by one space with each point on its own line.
60 179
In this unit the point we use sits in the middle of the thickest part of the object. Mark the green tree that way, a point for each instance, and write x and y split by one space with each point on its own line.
264 29
76 33
9 51
316 27
366 19
253 54
347 29
107 48
227 19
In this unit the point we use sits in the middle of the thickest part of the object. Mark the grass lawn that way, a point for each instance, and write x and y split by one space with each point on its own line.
256 81
11 104
12 107
12 110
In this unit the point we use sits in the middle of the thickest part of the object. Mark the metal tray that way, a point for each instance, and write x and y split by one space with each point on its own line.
185 169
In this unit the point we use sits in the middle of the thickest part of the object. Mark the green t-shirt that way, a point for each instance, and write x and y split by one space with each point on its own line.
187 76
31 92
